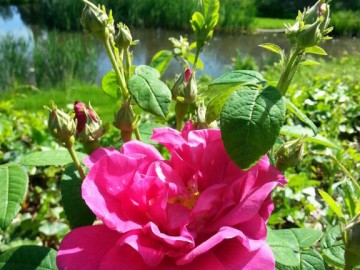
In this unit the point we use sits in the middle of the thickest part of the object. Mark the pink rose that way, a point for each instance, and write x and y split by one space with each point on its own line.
197 210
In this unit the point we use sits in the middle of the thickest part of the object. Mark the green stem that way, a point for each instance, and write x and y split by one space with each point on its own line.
90 147
137 133
198 50
128 62
289 71
119 74
71 149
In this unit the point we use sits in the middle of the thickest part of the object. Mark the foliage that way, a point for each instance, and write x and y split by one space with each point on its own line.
346 22
54 60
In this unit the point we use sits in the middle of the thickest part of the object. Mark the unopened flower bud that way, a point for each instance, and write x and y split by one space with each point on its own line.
311 14
190 90
95 20
325 12
123 38
309 35
126 121
200 122
61 126
88 124
290 153
352 231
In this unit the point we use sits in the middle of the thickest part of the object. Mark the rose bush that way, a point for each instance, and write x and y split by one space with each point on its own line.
197 209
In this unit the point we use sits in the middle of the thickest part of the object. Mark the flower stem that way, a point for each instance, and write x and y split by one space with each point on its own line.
70 148
137 133
288 74
128 62
119 74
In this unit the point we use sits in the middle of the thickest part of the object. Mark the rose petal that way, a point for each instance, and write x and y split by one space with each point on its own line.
85 247
97 155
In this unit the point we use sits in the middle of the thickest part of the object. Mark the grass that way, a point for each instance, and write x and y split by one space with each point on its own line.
34 101
271 23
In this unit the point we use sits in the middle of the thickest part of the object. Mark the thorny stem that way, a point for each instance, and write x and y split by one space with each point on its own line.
128 62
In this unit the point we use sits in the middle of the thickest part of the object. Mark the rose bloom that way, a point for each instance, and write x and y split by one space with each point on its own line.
197 210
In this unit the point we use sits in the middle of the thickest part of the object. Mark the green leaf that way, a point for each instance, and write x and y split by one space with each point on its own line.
146 131
50 158
197 22
315 50
13 187
299 114
53 228
211 12
333 247
144 70
28 257
191 59
76 210
215 106
151 94
233 80
292 248
309 62
272 47
109 84
250 123
331 203
161 60
299 131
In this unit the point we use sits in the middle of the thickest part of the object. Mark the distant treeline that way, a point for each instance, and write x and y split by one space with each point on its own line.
235 15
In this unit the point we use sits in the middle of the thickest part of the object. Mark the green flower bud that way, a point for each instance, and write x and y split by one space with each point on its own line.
190 90
123 38
352 231
61 126
95 20
200 122
325 12
311 14
88 124
309 35
290 153
126 121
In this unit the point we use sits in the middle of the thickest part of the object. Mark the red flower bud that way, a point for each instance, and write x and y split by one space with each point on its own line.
187 75
80 115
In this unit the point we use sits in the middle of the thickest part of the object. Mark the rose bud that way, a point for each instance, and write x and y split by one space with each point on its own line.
126 121
290 154
123 38
88 124
61 126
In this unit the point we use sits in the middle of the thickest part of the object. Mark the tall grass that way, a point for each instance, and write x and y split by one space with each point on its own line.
65 14
14 61
346 23
53 60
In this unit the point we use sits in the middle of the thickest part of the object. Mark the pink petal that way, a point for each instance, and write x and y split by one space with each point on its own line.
97 155
234 256
85 247
103 186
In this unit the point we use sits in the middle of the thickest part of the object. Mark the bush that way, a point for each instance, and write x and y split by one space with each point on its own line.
346 23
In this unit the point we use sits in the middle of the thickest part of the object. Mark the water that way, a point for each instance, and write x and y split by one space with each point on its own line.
216 57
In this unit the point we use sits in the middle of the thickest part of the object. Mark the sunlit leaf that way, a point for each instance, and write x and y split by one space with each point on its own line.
315 50
333 247
331 203
302 117
161 60
109 84
13 187
50 158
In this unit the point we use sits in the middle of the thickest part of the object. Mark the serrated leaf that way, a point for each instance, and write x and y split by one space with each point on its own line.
333 248
151 94
292 248
299 114
50 158
233 80
13 187
250 123
315 50
215 106
109 84
272 47
161 60
299 131
76 210
28 257
331 203
147 71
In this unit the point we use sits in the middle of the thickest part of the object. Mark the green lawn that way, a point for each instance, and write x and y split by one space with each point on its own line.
271 23
35 100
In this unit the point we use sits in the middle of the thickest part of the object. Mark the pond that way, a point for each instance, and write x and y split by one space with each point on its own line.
216 56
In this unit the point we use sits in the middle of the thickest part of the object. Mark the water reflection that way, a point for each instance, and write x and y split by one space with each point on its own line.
216 57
